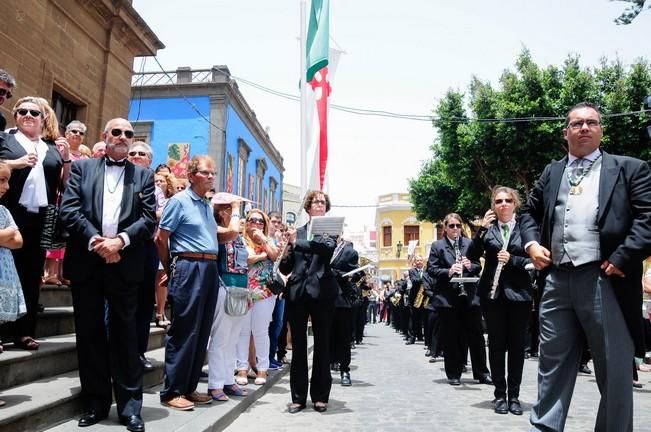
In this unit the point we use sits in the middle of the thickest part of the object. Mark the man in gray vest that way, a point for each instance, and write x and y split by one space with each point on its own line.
587 226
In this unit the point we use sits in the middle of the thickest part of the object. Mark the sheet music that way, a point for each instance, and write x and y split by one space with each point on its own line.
357 270
331 225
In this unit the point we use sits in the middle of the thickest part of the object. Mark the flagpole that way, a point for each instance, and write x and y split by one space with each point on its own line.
303 62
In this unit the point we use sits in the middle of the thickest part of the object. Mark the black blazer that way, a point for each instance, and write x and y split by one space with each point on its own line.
81 214
345 261
441 259
416 282
10 149
308 261
623 219
514 281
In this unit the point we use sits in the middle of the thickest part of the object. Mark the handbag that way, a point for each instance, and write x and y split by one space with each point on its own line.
275 283
53 236
236 302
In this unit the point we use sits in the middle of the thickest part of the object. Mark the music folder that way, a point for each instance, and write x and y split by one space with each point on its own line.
330 225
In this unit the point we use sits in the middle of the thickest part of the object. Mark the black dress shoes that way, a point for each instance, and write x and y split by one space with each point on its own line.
90 418
501 407
134 423
146 364
514 407
428 353
585 369
454 381
410 341
320 407
345 379
295 407
486 379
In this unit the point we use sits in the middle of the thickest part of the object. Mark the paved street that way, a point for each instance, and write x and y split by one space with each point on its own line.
396 389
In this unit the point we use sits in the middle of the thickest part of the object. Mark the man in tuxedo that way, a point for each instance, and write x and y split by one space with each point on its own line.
7 85
108 210
587 223
311 291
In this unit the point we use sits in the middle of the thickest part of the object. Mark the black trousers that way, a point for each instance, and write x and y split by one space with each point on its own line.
507 324
29 262
108 361
461 329
340 338
321 313
416 322
405 318
146 295
432 330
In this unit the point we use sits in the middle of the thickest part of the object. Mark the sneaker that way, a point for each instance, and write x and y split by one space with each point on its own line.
198 398
274 366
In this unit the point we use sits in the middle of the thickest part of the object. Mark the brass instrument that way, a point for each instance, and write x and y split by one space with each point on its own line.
420 296
457 254
395 299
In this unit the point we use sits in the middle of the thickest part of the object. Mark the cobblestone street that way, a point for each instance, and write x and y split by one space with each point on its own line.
396 389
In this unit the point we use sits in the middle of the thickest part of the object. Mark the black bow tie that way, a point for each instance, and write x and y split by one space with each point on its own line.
110 162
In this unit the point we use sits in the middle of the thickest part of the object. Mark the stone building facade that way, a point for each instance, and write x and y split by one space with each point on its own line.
77 54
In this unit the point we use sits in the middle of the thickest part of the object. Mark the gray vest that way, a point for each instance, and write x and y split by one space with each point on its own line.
575 236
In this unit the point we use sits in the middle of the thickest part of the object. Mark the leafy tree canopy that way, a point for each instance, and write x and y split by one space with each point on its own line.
473 152
632 11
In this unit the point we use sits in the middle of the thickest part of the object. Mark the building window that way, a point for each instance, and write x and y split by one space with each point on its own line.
260 170
411 233
65 110
273 184
386 236
243 153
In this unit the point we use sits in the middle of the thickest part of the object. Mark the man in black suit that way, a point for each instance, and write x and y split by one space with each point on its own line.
587 222
459 305
310 292
108 209
7 85
417 311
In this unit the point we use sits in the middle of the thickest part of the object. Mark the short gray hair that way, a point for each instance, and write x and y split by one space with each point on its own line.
76 124
6 78
144 145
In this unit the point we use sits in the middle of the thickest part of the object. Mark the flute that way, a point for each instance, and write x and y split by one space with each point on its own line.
498 271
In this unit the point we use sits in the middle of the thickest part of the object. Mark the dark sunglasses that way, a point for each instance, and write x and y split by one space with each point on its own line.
117 132
454 225
6 93
255 220
33 113
76 132
139 153
505 200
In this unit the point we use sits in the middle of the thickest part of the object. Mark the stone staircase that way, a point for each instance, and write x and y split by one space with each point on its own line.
41 388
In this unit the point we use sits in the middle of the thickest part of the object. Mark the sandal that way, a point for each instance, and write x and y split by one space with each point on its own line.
52 280
261 379
218 396
235 390
162 321
241 378
27 343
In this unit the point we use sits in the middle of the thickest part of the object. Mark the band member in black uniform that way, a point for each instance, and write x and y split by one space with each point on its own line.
416 300
505 293
403 306
344 259
460 314
431 319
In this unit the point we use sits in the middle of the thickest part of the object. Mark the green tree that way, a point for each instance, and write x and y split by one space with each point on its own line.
631 12
474 152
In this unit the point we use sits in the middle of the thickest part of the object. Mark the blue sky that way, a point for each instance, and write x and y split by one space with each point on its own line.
399 57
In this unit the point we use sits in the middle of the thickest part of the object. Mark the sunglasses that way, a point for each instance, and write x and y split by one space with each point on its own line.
139 153
5 93
76 132
117 132
454 225
32 112
505 200
255 221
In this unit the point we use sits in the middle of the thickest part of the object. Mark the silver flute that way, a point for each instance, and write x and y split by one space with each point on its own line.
498 271
459 259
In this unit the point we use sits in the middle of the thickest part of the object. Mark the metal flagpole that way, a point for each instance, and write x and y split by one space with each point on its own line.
304 119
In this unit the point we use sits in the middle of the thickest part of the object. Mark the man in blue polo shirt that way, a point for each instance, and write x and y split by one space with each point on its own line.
187 246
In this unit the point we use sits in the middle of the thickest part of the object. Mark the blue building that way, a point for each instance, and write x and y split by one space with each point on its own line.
187 112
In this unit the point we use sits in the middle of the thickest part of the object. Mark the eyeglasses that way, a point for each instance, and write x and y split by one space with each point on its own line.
578 124
139 153
76 132
206 173
257 221
454 225
505 200
322 202
32 112
5 93
117 132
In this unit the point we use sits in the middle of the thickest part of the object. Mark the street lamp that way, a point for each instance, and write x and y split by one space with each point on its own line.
398 249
